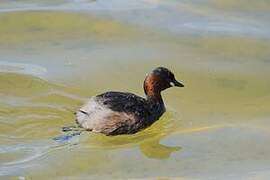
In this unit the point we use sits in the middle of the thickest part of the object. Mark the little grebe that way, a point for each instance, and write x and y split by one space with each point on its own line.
115 113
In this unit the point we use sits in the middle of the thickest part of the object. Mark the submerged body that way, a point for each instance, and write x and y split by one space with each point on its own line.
114 113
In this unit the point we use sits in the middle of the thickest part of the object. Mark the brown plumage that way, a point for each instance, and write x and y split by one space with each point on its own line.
114 113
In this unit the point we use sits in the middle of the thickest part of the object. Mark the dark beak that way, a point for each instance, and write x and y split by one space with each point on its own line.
177 84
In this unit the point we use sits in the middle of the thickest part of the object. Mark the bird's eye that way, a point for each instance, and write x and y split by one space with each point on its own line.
171 76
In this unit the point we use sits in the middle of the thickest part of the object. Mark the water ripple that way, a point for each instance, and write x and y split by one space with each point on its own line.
24 68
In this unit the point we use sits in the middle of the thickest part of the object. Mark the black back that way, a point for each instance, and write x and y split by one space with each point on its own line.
132 104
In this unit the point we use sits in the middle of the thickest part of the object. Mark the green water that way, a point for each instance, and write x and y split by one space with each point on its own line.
54 56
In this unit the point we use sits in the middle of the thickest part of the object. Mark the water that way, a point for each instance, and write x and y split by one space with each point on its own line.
54 55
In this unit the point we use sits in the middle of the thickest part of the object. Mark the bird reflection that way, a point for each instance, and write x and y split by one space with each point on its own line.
153 149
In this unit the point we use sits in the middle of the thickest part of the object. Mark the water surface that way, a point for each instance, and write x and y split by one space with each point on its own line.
55 55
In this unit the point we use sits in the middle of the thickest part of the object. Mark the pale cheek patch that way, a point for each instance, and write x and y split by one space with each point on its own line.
172 84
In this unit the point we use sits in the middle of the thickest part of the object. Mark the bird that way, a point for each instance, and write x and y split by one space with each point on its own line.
118 113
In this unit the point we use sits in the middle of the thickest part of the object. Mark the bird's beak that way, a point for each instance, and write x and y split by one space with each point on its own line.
176 83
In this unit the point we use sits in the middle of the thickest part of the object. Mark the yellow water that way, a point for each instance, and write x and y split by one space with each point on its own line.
56 55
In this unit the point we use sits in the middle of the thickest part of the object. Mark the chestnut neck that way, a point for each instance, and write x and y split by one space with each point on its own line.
152 89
